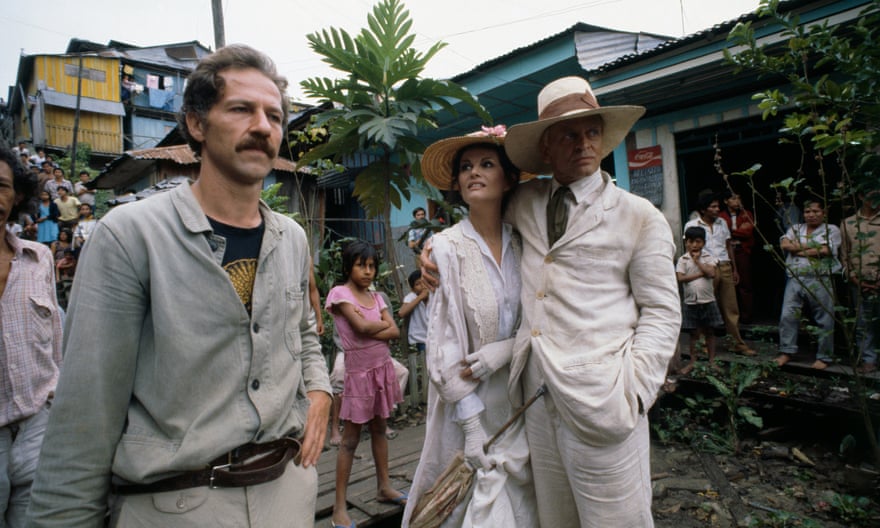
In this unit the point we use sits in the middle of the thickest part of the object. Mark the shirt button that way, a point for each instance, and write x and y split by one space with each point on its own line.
181 503
256 328
536 332
539 295
548 259
255 384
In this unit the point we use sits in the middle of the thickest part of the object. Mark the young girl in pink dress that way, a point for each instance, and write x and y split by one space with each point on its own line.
365 326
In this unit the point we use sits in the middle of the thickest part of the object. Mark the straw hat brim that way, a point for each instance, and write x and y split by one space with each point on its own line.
437 159
523 141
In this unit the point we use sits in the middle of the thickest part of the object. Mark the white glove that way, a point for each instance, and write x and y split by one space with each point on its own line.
474 438
484 362
479 369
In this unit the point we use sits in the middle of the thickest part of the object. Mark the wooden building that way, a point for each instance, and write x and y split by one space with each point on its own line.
126 96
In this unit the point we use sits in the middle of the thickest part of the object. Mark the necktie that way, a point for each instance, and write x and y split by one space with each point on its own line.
557 214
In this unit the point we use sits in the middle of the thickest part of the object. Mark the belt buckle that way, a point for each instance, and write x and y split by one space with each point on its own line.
211 477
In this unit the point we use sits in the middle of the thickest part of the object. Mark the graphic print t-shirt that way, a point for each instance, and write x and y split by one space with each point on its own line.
240 257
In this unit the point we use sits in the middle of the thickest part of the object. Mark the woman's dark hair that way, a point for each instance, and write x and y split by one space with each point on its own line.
355 251
511 172
205 84
24 182
65 232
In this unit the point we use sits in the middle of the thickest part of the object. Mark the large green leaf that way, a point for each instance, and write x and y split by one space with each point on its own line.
380 104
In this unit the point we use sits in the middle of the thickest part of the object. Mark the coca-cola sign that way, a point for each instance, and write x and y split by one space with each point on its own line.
646 173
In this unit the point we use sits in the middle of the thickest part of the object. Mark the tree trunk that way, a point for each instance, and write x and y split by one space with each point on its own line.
390 250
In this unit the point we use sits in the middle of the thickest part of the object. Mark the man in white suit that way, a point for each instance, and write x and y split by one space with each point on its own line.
601 312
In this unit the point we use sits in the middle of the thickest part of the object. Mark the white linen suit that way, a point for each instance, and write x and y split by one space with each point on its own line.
601 318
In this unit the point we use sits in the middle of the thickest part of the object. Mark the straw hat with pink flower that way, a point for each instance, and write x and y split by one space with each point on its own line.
437 161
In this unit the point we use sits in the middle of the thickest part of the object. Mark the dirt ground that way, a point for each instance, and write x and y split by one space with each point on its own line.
764 486
808 464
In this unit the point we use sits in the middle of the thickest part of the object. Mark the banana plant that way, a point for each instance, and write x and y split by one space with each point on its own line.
379 106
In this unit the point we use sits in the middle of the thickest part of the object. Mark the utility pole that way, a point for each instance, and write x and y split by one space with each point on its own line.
219 31
79 83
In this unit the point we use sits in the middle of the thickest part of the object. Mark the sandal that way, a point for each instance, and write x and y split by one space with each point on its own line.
400 500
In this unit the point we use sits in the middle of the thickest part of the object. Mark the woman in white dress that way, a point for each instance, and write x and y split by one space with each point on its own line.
472 320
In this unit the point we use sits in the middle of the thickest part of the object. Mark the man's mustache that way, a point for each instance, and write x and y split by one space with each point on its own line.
256 143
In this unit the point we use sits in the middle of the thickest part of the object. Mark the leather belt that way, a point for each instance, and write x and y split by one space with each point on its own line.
246 465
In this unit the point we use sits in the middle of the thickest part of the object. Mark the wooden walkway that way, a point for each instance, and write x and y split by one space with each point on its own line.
403 457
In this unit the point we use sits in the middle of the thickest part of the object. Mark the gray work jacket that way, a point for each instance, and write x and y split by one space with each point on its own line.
164 368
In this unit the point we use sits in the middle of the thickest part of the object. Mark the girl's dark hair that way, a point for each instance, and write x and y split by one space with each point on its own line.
65 232
355 251
511 172
413 277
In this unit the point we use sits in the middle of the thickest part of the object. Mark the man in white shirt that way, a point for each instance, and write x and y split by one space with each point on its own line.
83 193
719 245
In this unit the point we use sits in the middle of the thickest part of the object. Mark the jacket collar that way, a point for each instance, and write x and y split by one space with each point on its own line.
195 220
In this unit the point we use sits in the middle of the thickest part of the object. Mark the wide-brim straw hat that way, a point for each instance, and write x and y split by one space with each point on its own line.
561 100
437 159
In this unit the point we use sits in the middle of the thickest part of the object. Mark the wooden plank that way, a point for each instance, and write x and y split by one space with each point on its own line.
403 458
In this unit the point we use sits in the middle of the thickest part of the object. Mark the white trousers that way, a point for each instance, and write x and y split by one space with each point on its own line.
287 502
583 485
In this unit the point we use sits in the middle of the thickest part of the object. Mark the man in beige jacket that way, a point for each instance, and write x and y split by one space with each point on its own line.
601 312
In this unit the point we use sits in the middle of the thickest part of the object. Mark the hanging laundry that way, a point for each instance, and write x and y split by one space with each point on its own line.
153 81
161 98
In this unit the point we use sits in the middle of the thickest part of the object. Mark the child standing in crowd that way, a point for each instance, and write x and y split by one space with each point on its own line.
414 307
365 326
418 233
47 227
695 271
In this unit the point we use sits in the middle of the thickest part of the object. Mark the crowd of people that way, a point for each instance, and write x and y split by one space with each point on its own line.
193 391
823 269
60 216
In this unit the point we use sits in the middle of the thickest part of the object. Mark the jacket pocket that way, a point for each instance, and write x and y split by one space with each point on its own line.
43 315
595 395
295 299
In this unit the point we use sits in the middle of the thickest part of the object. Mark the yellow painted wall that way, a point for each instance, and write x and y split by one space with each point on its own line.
50 69
102 131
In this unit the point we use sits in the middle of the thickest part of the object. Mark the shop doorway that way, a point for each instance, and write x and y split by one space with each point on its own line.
744 143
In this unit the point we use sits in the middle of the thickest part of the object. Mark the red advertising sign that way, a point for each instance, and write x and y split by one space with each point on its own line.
646 173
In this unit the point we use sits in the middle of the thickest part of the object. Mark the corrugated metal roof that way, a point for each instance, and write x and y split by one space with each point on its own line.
184 155
579 27
720 29
88 104
175 56
130 166
180 56
595 48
